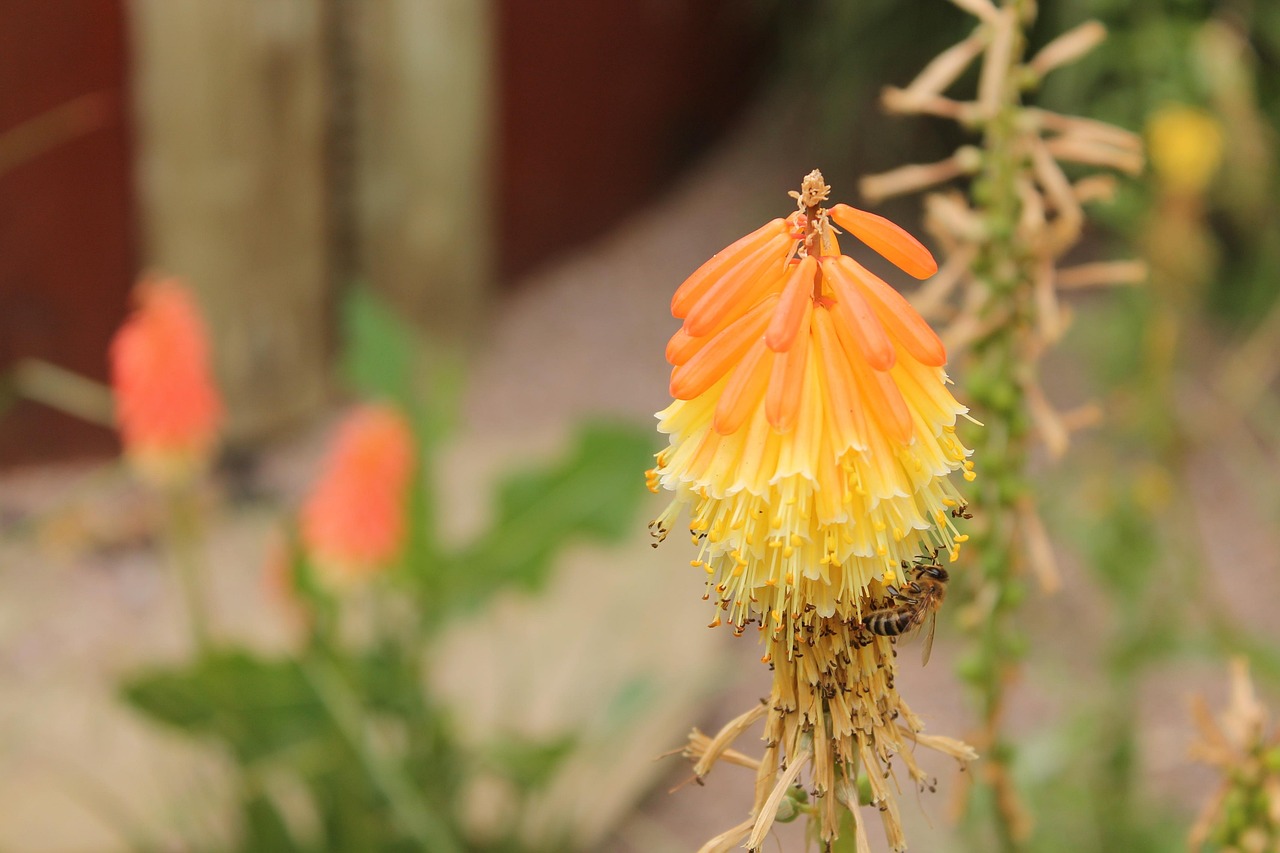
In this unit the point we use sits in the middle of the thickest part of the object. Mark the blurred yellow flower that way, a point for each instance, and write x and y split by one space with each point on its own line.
1185 145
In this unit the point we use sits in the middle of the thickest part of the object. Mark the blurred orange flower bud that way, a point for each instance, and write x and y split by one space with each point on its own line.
353 523
168 409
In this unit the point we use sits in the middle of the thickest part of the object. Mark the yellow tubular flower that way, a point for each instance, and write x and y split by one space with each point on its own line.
810 442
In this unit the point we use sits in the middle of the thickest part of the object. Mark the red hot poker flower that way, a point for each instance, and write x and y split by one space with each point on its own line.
354 521
810 446
168 408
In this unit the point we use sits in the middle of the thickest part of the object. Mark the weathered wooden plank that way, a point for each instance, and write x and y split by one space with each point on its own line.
230 107
424 108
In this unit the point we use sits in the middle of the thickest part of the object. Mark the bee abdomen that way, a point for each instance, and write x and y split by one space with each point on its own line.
889 623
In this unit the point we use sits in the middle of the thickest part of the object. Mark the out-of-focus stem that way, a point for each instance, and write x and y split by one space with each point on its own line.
63 390
1007 271
434 408
184 542
415 816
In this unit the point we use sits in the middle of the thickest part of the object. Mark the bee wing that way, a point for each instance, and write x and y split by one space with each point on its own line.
926 647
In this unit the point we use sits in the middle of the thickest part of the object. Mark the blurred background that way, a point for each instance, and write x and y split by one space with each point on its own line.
518 187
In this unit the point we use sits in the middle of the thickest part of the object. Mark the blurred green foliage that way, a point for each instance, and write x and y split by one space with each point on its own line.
353 723
1223 58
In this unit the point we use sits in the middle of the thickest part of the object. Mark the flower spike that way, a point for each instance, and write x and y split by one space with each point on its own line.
353 522
168 407
810 444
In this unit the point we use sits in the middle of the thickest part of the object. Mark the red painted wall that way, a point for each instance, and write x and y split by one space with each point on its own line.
601 104
67 224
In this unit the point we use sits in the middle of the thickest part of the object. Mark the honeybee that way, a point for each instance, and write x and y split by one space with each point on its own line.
912 605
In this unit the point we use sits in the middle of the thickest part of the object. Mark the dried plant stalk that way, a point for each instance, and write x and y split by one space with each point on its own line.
1008 237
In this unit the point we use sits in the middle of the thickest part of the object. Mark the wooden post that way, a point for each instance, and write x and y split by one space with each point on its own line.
289 148
424 116
230 118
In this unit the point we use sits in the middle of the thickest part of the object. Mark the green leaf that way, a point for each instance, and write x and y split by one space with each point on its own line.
634 698
529 764
379 352
265 831
353 816
256 707
592 494
388 679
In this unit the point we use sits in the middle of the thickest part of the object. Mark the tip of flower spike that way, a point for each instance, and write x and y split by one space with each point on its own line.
721 353
168 408
795 301
855 317
704 277
354 520
886 239
898 315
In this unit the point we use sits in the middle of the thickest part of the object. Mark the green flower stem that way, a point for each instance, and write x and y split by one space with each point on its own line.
1006 269
416 817
433 407
184 545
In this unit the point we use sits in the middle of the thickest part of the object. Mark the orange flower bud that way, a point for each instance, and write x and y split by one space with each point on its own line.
354 521
168 408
